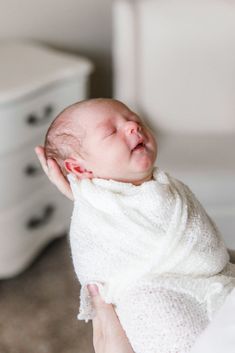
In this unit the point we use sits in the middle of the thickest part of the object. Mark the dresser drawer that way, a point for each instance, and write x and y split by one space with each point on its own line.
21 175
24 119
29 226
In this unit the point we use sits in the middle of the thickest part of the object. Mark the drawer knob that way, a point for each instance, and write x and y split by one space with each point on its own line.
39 221
34 120
32 170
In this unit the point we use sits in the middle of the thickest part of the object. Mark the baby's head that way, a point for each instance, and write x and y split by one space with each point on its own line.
97 138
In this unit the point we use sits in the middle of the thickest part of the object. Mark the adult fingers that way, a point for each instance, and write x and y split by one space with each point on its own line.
53 172
58 179
108 334
99 305
106 321
39 150
97 321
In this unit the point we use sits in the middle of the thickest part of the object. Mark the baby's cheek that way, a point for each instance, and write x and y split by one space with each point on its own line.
122 155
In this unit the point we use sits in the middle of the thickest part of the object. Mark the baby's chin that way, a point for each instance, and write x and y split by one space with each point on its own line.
143 180
141 172
143 162
131 175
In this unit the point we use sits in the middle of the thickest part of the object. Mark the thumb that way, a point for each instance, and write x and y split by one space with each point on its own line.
93 290
96 299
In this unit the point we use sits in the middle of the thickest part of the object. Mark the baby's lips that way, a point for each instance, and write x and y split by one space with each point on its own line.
140 140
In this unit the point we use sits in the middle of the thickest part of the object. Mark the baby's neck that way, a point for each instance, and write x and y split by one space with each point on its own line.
139 182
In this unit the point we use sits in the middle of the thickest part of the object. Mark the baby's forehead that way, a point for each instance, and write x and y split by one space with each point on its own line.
100 115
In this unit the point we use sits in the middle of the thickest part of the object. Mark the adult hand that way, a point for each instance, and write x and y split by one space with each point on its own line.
108 334
53 172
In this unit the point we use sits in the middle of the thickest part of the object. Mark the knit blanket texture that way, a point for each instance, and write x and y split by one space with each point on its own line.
158 238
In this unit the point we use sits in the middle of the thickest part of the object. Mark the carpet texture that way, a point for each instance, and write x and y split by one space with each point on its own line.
38 308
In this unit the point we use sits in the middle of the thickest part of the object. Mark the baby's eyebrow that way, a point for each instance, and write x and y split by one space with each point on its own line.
101 125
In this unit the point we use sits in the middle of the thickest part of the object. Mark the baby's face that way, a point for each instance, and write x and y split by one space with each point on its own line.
117 144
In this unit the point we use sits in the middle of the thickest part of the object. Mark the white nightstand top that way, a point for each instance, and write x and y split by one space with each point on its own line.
26 67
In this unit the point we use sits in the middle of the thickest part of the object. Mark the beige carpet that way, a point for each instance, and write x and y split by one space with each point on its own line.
38 308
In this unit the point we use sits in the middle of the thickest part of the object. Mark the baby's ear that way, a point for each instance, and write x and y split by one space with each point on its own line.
76 167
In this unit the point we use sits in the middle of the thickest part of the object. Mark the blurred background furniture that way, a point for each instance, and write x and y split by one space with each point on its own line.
174 63
36 84
81 27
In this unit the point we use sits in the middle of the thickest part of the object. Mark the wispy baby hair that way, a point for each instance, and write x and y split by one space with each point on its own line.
61 141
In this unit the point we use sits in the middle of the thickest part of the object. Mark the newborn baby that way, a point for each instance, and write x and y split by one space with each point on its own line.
137 232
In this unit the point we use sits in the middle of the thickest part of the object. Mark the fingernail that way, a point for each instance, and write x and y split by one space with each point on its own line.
93 289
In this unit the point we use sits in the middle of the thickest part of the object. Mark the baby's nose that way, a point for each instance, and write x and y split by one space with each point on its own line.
132 126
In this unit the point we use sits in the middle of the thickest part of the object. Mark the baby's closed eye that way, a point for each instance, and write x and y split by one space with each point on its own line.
112 132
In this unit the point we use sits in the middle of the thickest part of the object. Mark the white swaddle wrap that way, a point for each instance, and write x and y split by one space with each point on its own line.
155 234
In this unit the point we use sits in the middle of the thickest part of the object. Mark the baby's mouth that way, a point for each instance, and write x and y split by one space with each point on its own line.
138 147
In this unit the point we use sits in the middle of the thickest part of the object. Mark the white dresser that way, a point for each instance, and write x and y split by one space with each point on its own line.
36 83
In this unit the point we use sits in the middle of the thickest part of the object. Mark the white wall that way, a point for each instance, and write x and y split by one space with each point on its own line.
78 26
